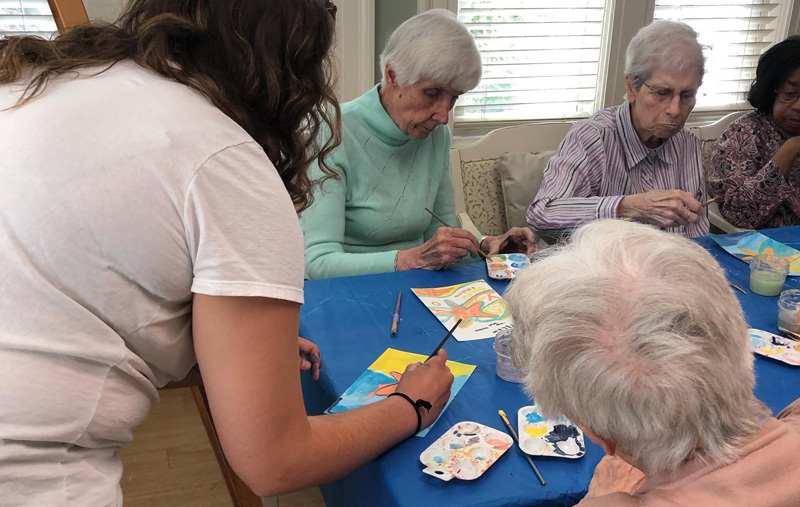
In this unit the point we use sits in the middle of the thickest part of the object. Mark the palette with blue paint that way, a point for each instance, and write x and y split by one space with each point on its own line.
540 436
465 451
505 266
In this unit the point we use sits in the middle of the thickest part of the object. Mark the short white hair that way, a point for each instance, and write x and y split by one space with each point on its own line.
663 44
635 334
433 46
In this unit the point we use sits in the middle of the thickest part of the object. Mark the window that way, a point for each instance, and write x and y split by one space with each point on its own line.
26 16
736 32
546 59
541 59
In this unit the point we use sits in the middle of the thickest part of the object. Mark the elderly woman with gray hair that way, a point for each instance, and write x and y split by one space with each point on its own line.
634 160
394 162
635 335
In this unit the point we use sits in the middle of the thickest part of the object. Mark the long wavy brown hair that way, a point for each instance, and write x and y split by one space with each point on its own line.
265 63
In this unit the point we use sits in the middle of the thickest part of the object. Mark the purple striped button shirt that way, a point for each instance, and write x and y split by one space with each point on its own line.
601 160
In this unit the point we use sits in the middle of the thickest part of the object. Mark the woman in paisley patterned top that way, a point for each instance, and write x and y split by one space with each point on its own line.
755 168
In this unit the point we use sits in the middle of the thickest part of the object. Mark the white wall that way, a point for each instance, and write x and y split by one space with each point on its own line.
106 10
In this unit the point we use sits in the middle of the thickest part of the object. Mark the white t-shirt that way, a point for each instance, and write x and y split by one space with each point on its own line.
121 194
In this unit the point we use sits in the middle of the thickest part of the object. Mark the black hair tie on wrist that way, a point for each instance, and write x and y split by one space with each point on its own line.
417 405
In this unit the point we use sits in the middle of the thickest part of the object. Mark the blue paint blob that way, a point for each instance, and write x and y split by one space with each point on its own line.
518 265
534 417
455 445
562 433
517 257
438 459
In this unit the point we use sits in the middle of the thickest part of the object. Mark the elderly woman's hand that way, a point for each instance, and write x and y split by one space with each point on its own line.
447 247
517 239
664 208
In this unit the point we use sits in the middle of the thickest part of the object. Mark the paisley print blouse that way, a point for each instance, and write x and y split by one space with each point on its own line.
751 191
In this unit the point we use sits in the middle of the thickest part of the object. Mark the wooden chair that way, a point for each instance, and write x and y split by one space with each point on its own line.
68 13
241 494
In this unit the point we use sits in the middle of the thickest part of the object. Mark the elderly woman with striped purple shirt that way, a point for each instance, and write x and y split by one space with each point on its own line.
634 161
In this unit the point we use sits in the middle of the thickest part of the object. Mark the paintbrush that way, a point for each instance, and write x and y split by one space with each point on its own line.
738 288
790 334
396 317
516 439
708 202
441 343
437 217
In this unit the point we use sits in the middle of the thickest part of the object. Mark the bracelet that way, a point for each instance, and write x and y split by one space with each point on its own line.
397 256
417 405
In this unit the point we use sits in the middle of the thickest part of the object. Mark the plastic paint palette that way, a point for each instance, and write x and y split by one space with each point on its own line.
505 266
775 347
540 436
465 451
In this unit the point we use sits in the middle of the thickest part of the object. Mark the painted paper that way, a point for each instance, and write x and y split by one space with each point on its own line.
465 451
482 311
540 436
381 378
746 245
775 347
505 266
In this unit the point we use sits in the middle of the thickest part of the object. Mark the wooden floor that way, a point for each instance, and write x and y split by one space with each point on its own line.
170 462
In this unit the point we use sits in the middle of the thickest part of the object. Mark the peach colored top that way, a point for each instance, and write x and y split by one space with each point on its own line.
765 475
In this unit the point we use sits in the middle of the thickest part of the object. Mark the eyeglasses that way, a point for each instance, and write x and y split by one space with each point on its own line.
787 97
331 8
667 94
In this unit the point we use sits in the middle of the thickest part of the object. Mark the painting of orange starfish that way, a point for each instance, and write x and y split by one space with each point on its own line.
481 309
389 387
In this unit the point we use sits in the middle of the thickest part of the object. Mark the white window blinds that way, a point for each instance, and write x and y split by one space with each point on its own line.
736 32
541 58
31 17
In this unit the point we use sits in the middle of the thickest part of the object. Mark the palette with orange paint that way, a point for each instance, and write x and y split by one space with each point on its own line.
775 347
541 436
465 451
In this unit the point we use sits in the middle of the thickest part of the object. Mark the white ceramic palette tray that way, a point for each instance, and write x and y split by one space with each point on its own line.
775 347
505 266
465 451
539 436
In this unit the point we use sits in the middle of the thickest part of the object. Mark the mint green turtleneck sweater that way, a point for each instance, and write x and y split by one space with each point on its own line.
360 221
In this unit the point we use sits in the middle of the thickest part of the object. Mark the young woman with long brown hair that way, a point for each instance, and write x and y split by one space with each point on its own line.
150 179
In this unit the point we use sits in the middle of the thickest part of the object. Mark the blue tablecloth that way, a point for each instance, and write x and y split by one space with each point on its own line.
350 319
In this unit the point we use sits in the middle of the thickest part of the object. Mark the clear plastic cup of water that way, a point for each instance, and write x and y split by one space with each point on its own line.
768 274
505 368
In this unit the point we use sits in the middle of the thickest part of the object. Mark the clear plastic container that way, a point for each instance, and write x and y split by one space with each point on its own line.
505 368
768 274
789 311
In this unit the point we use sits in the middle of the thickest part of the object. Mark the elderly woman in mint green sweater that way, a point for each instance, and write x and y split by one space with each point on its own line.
394 162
